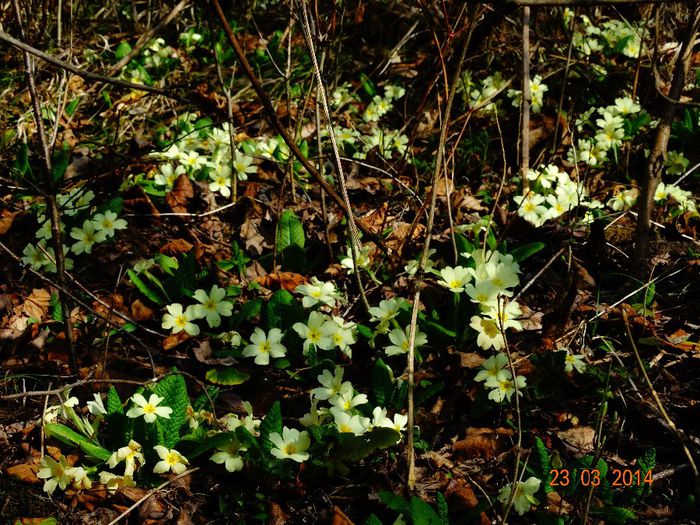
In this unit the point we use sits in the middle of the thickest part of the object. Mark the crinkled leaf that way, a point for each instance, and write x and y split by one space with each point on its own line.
113 403
290 232
271 423
174 391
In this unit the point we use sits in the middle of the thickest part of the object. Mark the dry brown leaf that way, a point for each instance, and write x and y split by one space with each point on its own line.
470 360
141 312
460 496
375 220
556 505
203 354
277 514
340 518
250 234
176 246
282 280
37 304
24 472
580 438
6 219
482 442
181 193
437 459
174 340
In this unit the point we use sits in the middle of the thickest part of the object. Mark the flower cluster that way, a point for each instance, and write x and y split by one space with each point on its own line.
343 410
552 193
498 378
611 36
212 306
537 91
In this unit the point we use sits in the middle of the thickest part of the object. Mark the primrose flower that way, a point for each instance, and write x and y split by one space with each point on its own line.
484 292
75 201
489 334
503 387
626 106
229 457
316 332
130 455
112 482
394 92
574 362
166 175
263 346
148 409
79 477
44 231
676 163
493 367
399 338
192 160
177 320
348 424
96 407
342 334
317 292
292 444
454 279
35 256
54 472
107 222
384 313
588 152
221 181
314 417
611 130
623 199
171 461
249 421
346 399
530 208
86 236
331 383
213 305
363 259
242 165
524 494
506 314
144 264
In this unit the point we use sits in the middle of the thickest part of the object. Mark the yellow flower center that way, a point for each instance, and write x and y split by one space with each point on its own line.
149 409
265 347
290 448
172 459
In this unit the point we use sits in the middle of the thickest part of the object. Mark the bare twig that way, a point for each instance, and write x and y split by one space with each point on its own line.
525 107
52 204
660 406
76 384
146 37
280 128
86 74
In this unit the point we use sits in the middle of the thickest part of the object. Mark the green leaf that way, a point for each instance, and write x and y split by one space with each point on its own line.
373 520
70 437
217 440
203 402
228 376
72 106
174 391
20 166
442 508
394 502
60 164
423 514
615 515
355 448
382 384
280 310
540 464
425 393
168 264
144 289
249 310
122 50
113 403
522 253
55 308
272 423
367 85
290 232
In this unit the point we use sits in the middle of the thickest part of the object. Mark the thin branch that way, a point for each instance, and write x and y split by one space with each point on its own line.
85 74
525 115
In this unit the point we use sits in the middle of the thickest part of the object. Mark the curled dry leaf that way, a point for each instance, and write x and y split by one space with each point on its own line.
204 354
282 281
580 438
37 304
340 518
277 516
24 472
460 496
181 193
174 340
141 312
470 360
482 442
6 219
176 246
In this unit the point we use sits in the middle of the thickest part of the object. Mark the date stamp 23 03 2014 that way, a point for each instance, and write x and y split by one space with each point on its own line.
593 477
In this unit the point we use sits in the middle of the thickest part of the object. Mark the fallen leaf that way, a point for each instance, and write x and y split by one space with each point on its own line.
282 280
24 472
141 312
181 193
176 246
460 496
438 460
6 219
37 304
470 360
174 340
340 518
277 516
203 354
580 438
482 442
